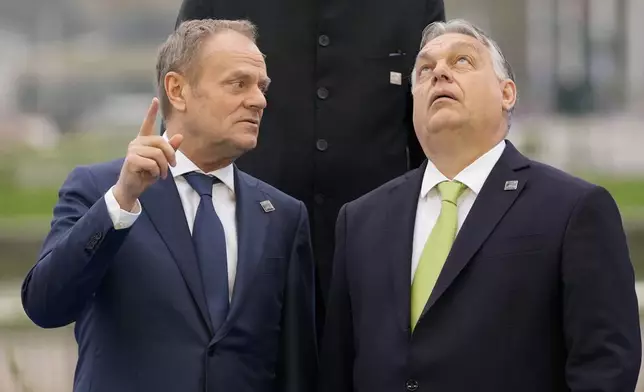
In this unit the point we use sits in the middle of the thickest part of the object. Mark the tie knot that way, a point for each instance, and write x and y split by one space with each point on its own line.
201 183
451 190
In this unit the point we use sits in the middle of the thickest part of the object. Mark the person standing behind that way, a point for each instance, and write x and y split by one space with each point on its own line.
339 122
181 272
482 270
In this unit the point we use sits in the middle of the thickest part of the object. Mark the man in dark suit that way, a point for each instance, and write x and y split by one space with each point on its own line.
181 272
482 270
339 120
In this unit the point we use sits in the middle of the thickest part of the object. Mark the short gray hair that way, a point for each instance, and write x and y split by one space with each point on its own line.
183 47
502 67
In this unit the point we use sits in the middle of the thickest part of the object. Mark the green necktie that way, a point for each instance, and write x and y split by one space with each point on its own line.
436 248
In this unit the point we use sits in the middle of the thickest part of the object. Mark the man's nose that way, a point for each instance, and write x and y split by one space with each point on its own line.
256 99
441 72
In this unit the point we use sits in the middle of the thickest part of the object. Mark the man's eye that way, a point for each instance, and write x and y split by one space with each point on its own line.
239 83
463 60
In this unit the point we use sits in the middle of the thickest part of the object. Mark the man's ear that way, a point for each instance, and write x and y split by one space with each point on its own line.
509 94
176 87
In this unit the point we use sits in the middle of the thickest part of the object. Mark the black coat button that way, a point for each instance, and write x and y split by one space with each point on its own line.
322 145
93 241
323 93
411 385
319 198
211 351
324 40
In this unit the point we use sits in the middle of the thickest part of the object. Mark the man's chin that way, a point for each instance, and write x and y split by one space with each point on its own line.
246 143
444 123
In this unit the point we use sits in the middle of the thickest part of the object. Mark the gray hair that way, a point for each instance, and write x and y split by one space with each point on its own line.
181 51
502 67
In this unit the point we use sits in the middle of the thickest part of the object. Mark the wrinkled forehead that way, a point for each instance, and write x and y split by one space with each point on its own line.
237 59
449 43
232 45
238 55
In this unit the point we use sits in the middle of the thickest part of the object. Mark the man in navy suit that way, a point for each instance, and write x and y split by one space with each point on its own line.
182 273
482 270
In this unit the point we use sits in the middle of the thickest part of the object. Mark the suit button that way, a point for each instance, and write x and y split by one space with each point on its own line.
323 93
324 40
411 385
319 198
322 145
211 351
93 241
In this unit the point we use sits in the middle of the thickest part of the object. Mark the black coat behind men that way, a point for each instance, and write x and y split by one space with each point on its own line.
336 125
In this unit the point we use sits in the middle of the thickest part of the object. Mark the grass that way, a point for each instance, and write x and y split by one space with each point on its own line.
30 178
19 203
37 202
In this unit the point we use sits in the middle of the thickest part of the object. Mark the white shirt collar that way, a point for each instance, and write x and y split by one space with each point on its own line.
184 165
473 176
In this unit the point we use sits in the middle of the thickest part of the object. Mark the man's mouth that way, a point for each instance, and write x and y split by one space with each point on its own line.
251 121
442 95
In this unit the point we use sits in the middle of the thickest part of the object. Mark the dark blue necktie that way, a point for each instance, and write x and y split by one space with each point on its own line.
210 245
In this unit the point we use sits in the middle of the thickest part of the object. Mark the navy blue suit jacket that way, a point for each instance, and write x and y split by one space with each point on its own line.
138 302
537 294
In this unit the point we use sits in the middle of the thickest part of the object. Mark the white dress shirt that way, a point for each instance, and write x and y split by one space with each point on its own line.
429 201
223 199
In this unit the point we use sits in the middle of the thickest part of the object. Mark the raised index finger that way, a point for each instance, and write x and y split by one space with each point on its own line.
147 128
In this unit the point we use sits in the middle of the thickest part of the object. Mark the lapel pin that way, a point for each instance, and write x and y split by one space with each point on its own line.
395 78
267 205
511 185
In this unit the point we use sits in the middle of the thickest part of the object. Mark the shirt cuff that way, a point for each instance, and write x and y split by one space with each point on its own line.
120 218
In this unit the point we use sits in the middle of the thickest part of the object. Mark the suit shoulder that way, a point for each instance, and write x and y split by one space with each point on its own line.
565 188
103 174
559 179
109 168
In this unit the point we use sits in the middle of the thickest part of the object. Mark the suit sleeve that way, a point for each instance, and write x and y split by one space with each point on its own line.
297 367
75 255
434 12
337 350
195 9
600 309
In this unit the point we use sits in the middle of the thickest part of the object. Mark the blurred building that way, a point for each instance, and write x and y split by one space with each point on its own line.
571 57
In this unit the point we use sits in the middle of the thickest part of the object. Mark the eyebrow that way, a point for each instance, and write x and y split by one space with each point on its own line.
265 83
241 74
425 55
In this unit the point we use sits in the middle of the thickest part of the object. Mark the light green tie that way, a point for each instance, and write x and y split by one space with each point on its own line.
436 248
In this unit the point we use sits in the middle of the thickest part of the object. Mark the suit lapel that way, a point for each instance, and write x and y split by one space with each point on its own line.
490 206
400 220
163 205
252 223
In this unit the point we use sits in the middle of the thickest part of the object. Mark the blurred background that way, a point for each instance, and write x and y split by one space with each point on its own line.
78 76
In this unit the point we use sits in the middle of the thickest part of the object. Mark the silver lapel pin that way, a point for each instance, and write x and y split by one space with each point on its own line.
267 205
395 78
511 185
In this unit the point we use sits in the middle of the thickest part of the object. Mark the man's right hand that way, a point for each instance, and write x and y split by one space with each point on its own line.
147 159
